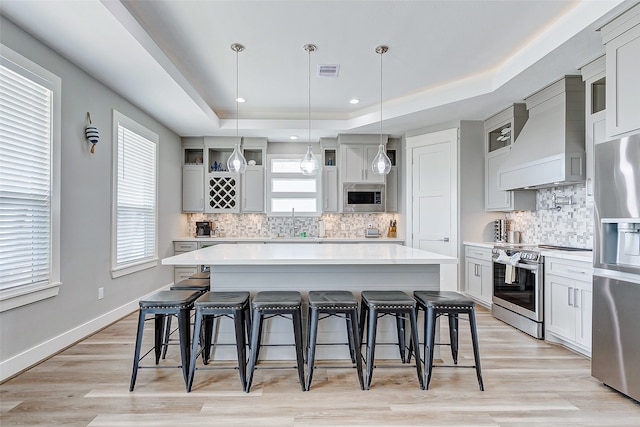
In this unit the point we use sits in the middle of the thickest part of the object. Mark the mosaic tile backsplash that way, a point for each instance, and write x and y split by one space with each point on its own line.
571 225
262 226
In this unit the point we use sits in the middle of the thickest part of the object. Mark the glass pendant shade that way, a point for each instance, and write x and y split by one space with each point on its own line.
381 164
237 163
309 164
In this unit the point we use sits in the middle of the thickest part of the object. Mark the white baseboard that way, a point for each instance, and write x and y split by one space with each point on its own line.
40 352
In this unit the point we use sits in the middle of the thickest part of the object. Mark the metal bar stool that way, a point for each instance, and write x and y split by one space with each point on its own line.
339 304
268 304
382 303
195 285
162 304
211 306
452 305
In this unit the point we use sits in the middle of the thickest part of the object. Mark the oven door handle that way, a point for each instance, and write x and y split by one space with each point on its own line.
523 266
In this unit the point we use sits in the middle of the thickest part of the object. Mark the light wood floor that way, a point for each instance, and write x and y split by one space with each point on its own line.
527 383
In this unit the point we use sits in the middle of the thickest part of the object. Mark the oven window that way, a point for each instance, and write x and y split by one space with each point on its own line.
522 290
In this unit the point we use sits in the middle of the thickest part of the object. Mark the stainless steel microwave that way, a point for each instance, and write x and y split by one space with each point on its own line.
364 198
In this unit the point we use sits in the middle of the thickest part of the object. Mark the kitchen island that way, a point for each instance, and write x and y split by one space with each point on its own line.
290 266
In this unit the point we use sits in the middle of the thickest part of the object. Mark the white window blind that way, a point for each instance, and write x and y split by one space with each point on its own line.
25 181
135 210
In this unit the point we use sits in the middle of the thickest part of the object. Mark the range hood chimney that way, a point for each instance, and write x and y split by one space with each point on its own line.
550 150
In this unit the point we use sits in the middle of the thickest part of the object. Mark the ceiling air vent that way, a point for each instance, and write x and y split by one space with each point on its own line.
328 70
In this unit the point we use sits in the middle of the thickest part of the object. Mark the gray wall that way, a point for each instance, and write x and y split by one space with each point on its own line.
86 212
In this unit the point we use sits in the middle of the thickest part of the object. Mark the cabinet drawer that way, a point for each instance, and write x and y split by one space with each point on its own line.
478 253
568 268
185 246
181 273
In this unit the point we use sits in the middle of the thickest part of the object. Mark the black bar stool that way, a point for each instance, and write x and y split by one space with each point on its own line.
201 275
195 285
452 305
162 304
333 303
213 305
268 304
382 303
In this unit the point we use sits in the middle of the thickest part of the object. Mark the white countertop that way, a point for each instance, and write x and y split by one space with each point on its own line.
586 256
290 239
295 254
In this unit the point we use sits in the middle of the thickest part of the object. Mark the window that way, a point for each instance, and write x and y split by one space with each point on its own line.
134 243
29 181
289 190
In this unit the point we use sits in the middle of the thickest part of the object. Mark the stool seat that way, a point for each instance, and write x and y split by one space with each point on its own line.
172 298
276 299
201 275
191 285
388 299
231 300
443 299
332 299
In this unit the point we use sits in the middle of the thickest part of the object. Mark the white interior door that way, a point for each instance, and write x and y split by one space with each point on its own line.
433 201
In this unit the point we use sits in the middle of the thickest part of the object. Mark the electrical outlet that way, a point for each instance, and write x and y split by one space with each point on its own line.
100 293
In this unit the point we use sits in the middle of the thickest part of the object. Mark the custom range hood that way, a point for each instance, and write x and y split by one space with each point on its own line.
550 149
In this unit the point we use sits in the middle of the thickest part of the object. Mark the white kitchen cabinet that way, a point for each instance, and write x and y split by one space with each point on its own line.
594 77
329 147
568 303
622 39
181 273
393 183
253 189
222 188
356 162
253 180
192 175
479 274
500 130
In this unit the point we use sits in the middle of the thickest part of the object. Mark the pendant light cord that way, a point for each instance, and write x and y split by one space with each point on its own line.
237 89
309 86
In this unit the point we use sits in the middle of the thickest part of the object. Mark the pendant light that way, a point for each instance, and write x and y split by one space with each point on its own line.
309 164
236 162
381 164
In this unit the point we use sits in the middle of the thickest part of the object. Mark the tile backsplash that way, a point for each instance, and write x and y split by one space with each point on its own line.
263 226
571 225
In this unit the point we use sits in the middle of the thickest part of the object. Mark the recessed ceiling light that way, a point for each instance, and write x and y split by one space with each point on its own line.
240 100
354 101
293 137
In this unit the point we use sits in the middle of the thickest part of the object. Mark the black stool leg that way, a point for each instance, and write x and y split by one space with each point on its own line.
453 335
167 333
402 343
476 350
299 343
415 341
364 312
311 347
429 343
159 336
354 333
185 348
136 356
349 322
194 349
371 345
241 345
254 347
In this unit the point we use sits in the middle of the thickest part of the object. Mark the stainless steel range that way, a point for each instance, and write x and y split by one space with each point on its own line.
518 287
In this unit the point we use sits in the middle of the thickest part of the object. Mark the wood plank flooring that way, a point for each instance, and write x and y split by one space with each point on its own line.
527 383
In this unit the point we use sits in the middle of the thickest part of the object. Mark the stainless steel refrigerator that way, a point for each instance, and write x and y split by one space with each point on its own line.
616 261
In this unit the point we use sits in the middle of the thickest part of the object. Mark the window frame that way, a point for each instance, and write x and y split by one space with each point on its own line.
26 294
143 264
294 176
